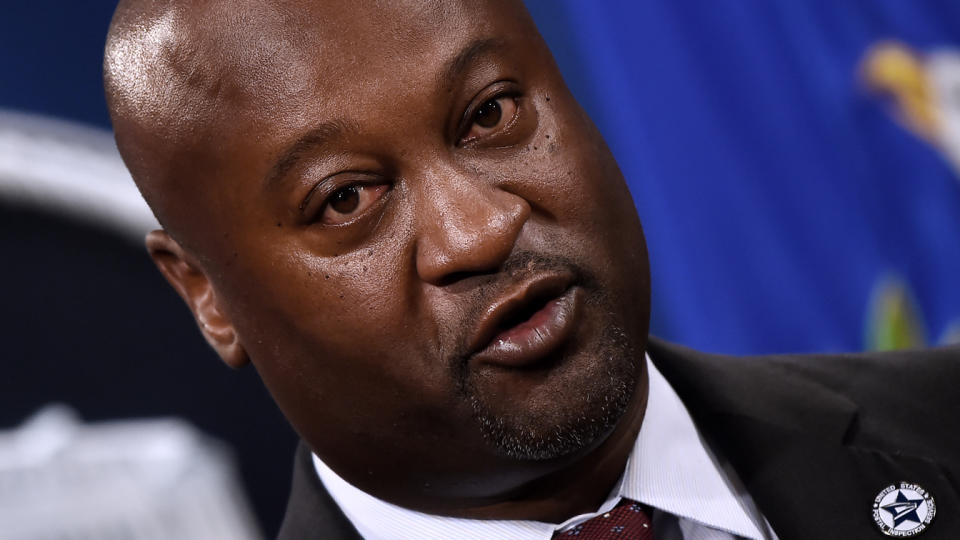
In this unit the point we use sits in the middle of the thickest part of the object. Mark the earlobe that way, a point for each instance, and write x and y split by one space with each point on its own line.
193 286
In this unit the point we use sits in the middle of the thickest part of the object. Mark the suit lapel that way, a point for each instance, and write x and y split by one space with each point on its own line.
804 486
792 442
311 511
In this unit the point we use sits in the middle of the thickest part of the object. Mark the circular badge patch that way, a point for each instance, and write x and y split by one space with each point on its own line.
903 509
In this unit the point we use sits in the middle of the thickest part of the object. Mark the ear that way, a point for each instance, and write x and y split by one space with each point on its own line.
192 284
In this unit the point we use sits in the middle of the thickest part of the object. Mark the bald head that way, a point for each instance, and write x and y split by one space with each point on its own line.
348 187
175 70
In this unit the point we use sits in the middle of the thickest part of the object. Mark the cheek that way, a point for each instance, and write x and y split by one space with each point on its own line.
580 185
567 169
345 306
348 327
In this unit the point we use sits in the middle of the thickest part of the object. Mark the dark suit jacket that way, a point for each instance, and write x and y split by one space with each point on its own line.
813 438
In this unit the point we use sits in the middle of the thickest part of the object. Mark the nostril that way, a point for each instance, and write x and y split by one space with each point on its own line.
454 277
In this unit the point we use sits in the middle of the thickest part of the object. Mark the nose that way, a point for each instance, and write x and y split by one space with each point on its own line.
465 227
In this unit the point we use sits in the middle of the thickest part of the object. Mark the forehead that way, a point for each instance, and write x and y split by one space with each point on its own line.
280 56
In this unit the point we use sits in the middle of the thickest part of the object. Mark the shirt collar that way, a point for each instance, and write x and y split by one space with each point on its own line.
670 469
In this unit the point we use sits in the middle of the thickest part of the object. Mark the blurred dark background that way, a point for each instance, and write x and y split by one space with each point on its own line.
796 166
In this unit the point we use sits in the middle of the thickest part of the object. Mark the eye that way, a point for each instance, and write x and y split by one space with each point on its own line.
491 116
350 201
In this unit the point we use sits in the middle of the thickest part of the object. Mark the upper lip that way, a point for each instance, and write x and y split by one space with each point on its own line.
543 287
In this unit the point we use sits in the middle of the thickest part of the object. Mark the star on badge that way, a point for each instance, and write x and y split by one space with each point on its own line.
903 510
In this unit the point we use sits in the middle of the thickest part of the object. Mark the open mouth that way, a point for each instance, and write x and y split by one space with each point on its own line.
524 328
525 311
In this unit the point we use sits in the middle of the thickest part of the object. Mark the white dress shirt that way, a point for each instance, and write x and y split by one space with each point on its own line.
670 469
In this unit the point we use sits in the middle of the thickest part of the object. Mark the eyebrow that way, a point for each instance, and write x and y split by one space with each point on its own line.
319 136
456 66
326 132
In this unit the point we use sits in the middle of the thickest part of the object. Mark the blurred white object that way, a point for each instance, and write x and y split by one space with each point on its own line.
70 168
129 480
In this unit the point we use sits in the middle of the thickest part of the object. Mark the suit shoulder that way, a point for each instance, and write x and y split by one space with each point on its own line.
906 399
925 375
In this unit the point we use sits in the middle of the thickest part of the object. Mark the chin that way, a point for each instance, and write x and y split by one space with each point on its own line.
564 409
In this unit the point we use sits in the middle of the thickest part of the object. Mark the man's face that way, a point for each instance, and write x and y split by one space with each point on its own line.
422 242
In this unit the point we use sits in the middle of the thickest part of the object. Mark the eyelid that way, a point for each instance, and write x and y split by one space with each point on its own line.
312 214
497 90
313 191
496 133
362 214
330 184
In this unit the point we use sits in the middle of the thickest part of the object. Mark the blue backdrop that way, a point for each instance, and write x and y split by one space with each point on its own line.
788 159
787 203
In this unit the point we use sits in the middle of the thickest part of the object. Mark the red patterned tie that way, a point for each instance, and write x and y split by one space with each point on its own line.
627 521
